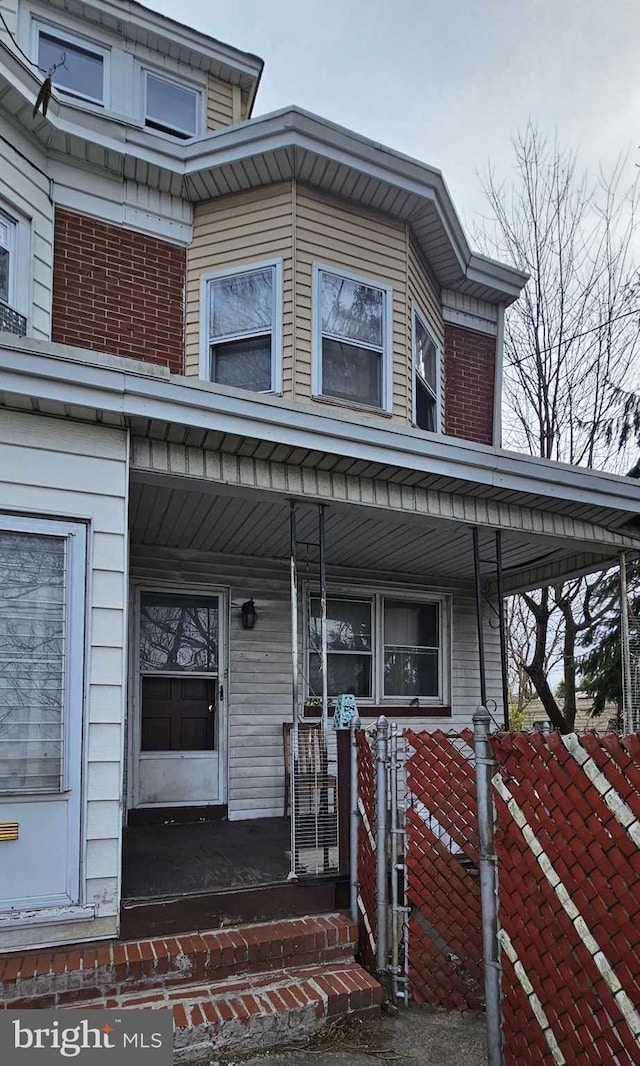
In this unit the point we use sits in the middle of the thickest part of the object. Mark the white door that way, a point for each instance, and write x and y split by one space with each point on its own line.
180 716
42 579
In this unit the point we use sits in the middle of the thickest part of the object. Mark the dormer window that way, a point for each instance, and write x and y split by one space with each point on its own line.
426 361
77 67
170 108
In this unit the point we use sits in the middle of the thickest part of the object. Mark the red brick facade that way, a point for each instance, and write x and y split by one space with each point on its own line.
470 371
118 291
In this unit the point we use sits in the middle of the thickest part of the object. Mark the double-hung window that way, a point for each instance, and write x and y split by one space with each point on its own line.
7 258
352 338
380 648
242 312
170 107
426 359
77 67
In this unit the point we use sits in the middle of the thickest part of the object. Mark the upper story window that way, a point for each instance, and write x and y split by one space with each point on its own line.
426 361
78 67
7 258
170 107
243 312
352 338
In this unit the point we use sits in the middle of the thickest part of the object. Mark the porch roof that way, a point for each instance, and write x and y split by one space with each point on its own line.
569 518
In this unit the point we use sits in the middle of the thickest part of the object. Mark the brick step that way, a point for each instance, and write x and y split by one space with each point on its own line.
78 972
259 1010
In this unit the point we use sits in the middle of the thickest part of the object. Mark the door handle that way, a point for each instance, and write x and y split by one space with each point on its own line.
221 692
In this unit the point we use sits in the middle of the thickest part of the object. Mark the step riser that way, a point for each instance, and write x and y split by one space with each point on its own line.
61 979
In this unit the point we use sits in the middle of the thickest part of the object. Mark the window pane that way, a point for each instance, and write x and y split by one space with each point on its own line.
426 411
348 625
82 71
345 673
32 661
242 303
351 310
351 373
411 625
4 274
170 107
245 364
410 673
178 634
426 354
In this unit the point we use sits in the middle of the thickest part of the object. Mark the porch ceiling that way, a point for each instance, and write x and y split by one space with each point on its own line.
358 539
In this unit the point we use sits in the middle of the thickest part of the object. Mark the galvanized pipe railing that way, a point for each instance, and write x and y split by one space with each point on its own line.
354 822
382 744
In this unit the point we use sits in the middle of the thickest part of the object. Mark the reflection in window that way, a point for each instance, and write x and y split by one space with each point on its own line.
178 634
170 108
352 330
349 648
425 354
241 329
32 661
411 648
75 69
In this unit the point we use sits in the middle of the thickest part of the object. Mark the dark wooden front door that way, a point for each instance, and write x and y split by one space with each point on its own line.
179 714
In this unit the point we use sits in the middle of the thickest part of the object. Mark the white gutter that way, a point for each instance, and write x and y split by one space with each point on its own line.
42 371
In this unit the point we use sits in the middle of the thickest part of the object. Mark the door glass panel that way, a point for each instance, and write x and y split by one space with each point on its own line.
32 661
178 634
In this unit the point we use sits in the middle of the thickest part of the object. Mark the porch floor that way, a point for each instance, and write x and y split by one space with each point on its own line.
161 861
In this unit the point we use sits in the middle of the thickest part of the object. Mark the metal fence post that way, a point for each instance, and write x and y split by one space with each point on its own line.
485 765
382 743
354 822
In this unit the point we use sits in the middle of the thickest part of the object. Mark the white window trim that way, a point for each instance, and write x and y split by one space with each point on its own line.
376 597
20 274
387 336
184 84
11 248
88 44
276 326
75 534
416 313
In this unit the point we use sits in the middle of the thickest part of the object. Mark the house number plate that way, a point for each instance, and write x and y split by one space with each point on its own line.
9 830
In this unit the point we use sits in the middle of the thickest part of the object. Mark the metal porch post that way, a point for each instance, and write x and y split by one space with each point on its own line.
476 568
323 626
625 649
382 744
485 766
354 822
293 747
503 634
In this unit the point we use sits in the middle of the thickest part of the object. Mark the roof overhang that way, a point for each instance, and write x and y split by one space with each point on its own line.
66 382
290 143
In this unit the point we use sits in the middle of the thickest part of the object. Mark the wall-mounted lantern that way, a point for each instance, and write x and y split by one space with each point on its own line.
248 614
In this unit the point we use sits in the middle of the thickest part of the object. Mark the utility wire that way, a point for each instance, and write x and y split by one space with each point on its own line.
586 332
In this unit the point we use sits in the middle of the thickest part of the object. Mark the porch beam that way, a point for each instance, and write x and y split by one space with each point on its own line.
568 567
322 486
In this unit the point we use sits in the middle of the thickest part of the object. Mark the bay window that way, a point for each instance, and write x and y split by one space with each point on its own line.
242 311
352 338
380 648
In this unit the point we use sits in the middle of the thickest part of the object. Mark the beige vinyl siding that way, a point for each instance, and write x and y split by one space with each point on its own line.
236 230
341 235
221 109
70 470
259 683
425 293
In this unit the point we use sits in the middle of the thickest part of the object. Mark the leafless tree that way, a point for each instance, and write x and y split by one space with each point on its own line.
570 346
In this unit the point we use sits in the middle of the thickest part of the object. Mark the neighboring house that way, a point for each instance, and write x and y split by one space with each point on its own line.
208 316
535 715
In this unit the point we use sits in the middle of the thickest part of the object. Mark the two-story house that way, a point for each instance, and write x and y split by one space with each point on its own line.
219 331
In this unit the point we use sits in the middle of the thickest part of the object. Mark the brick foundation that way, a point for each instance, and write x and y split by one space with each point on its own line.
470 370
118 291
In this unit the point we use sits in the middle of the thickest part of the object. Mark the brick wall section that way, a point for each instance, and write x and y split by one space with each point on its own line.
470 368
118 291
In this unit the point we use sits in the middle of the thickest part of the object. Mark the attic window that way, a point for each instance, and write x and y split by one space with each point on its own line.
170 108
78 68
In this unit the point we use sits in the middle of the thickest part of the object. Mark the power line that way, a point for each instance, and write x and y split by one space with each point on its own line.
586 332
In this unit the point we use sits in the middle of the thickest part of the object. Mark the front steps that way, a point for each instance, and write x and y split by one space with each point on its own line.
253 986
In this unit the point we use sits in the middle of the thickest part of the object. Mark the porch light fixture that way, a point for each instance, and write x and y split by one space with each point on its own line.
248 614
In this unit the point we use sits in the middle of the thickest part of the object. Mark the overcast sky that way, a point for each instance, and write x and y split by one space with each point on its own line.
448 82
